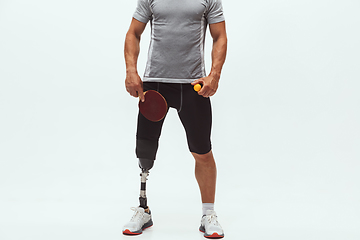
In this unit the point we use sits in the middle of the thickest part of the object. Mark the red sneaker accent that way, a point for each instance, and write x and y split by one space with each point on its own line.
128 232
214 235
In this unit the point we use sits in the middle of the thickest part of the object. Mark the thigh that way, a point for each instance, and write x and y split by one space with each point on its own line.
147 129
196 117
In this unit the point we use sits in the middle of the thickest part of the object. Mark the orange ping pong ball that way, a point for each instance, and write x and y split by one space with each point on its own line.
197 87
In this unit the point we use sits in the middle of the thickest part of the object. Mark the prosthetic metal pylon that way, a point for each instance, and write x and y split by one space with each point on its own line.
142 198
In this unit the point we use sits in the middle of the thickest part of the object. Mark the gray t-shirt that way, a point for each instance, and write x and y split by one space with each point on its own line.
176 52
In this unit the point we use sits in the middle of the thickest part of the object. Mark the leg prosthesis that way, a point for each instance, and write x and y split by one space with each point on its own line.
145 165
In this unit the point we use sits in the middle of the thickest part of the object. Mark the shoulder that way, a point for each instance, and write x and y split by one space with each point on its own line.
213 2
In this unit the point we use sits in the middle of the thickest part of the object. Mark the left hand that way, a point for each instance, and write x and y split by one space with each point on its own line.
209 85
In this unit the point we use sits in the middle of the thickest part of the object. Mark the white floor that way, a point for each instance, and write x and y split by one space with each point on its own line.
103 221
251 204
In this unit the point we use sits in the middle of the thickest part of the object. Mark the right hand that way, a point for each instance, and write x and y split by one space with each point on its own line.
134 85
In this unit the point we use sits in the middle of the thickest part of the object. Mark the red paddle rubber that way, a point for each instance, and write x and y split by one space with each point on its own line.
154 107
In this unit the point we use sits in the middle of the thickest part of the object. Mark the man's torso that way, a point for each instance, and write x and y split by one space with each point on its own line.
176 52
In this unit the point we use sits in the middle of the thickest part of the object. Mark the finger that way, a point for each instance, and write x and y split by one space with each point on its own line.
198 81
207 93
130 91
140 93
195 82
212 92
203 91
133 93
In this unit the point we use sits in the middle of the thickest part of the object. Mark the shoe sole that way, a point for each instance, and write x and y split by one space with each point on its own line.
212 236
145 226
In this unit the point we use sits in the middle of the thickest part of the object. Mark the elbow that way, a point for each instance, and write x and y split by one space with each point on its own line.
132 36
222 39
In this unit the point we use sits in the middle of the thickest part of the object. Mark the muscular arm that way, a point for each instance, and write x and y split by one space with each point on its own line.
133 81
218 55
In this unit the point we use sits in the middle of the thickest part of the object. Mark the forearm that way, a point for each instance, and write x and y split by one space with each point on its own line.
131 52
218 56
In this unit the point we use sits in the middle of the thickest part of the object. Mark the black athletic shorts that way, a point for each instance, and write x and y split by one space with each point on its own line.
193 110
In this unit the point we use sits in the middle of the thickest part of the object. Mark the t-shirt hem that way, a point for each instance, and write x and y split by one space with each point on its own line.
169 80
216 20
140 18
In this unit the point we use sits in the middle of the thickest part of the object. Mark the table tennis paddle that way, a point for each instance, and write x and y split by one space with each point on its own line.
154 107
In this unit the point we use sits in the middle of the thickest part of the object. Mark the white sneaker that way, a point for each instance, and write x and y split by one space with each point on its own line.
139 221
210 225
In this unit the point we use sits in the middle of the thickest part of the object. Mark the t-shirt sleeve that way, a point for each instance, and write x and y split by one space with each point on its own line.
214 13
143 11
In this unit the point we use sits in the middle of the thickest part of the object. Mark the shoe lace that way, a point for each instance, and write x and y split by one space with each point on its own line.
212 219
137 215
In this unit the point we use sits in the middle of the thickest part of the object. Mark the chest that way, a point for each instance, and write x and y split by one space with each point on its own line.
183 10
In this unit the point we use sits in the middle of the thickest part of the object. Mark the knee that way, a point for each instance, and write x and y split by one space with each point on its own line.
204 158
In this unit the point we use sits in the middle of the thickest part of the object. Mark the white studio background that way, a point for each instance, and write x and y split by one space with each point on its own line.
285 128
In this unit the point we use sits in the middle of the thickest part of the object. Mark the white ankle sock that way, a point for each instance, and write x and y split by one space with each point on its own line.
207 206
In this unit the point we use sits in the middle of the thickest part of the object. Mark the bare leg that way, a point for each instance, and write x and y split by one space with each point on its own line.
205 173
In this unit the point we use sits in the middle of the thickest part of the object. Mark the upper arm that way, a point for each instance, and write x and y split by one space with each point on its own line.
142 15
214 11
218 30
136 28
